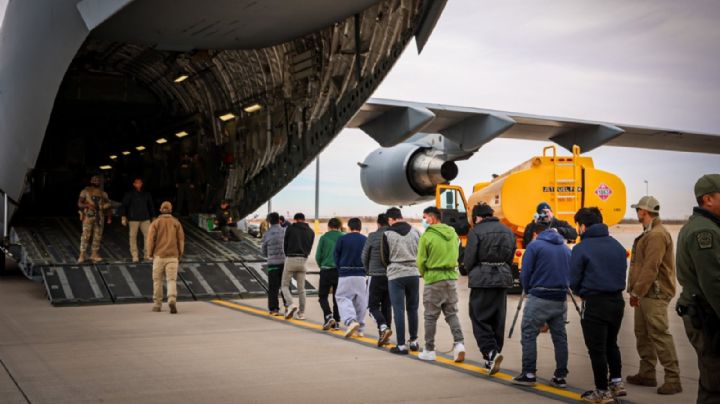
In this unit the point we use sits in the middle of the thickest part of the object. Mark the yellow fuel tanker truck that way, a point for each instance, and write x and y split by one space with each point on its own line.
567 183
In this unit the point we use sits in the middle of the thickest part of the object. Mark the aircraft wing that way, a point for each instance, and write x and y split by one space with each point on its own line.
390 122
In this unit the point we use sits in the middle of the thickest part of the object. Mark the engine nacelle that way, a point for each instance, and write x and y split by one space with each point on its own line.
404 174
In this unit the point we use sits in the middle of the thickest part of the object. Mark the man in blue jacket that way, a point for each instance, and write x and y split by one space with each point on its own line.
598 269
544 279
351 292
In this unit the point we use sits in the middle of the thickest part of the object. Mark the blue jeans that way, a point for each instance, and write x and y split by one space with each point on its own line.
405 290
538 312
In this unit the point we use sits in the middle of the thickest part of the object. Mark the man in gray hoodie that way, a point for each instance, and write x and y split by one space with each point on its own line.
272 248
379 299
399 248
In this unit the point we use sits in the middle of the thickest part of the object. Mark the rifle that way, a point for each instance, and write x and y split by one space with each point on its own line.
517 311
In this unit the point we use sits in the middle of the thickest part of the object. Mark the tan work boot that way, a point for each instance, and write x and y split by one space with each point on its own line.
173 308
95 257
81 258
156 308
641 381
670 388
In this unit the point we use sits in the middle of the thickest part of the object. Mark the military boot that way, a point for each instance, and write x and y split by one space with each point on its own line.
670 388
81 258
95 257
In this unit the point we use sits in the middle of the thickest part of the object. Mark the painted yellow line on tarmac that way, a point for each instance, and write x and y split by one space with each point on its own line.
372 342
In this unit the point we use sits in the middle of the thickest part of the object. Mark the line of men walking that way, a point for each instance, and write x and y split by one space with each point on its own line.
595 270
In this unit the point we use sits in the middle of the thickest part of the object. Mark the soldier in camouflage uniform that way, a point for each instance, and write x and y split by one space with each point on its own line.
698 270
94 206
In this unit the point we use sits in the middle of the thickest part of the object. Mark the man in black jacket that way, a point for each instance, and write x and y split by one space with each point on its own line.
488 260
137 211
298 242
545 212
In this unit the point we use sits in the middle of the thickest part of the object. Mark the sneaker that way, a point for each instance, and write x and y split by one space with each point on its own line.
398 351
385 335
329 323
558 382
639 380
414 345
617 389
426 355
337 326
289 312
300 316
351 328
156 308
274 313
524 380
597 396
173 308
459 352
360 334
492 364
670 388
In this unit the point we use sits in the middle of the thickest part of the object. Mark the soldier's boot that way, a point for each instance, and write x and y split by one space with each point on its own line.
156 307
173 307
81 258
670 388
640 380
95 257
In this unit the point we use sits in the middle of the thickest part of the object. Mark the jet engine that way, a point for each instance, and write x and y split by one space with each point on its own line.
405 174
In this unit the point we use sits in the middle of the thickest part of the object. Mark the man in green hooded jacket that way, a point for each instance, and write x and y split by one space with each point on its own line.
437 261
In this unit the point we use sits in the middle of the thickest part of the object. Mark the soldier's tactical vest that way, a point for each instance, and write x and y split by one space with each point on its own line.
96 196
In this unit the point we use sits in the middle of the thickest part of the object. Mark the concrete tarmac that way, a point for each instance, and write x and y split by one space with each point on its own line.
209 353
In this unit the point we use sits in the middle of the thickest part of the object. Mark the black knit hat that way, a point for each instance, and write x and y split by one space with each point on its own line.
482 210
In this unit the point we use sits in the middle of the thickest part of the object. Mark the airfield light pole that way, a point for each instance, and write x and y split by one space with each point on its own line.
646 188
317 195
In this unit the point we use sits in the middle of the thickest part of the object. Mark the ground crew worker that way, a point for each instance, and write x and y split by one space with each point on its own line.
488 260
651 285
437 261
544 279
545 212
165 245
297 244
226 218
352 286
94 206
325 258
698 270
598 269
272 248
379 295
137 211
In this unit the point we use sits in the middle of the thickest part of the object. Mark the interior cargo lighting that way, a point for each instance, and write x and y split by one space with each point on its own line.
227 117
181 78
161 140
140 148
181 134
125 153
113 157
106 167
253 108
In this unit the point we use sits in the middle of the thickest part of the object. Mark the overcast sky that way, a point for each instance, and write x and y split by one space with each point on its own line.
650 63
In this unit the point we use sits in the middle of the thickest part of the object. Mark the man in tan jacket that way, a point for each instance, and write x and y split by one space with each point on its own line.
651 285
165 244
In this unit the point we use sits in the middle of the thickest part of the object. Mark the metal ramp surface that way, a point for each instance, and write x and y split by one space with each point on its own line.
209 269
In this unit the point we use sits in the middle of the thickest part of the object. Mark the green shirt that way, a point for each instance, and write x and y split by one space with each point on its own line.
437 256
325 249
698 259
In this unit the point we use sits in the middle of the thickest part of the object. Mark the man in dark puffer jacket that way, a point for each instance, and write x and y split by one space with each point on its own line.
488 260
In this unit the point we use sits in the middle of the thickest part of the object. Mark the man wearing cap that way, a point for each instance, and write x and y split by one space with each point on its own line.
94 206
544 212
651 285
165 245
698 270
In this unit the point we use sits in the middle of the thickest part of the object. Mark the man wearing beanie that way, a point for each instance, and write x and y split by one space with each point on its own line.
698 270
165 244
488 260
545 213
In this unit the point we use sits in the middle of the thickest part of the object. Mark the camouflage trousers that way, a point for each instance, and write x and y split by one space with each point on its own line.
92 229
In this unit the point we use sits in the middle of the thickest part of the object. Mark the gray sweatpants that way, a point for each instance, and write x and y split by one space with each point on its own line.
352 299
441 297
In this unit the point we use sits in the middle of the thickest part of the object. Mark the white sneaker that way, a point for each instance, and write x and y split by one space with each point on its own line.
426 355
290 311
459 352
351 329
